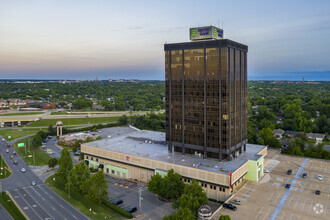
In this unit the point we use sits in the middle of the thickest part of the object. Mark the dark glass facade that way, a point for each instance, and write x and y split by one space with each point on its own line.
206 98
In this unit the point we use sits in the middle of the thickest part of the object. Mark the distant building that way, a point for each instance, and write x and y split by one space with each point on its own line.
315 136
291 133
278 133
98 107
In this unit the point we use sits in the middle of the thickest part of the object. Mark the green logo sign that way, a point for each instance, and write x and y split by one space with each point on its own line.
20 144
193 32
215 32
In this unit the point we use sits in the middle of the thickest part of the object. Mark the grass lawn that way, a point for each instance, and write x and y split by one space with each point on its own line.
73 121
59 113
4 173
16 133
82 204
41 158
22 113
10 206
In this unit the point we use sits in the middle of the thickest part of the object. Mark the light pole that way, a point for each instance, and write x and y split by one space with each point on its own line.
140 200
69 186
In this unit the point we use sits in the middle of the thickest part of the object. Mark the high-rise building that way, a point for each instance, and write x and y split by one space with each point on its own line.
206 95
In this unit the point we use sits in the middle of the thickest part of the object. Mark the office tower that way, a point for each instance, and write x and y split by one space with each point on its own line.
206 95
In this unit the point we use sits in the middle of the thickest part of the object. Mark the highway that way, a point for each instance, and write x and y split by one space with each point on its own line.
39 201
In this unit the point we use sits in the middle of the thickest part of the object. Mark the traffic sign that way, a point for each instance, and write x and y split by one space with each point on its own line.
9 136
20 145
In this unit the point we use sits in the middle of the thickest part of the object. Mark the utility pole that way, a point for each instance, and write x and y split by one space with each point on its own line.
140 200
34 158
69 186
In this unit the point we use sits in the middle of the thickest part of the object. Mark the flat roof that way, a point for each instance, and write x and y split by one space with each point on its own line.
152 145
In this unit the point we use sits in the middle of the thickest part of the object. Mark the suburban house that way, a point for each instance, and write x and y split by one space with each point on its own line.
315 136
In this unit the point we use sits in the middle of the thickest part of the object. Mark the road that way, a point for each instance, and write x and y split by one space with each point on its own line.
38 202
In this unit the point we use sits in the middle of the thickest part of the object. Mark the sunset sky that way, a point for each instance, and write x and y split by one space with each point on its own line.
85 39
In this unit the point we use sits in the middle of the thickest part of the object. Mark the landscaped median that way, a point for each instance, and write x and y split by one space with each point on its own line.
32 156
87 207
4 170
12 134
10 206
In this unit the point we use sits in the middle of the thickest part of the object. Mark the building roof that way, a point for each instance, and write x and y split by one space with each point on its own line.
278 131
326 147
152 145
288 132
315 135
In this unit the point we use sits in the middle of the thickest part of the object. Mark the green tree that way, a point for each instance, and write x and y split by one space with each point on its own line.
51 130
224 217
65 165
37 141
192 198
95 188
168 187
266 137
42 134
123 120
78 175
181 214
76 144
52 162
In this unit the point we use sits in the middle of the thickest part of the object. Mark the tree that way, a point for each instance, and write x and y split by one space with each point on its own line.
181 214
78 175
224 217
51 130
168 187
52 162
266 137
37 141
123 120
95 188
42 134
192 198
76 144
65 165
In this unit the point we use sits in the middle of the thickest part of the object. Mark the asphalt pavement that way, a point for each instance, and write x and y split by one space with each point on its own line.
39 201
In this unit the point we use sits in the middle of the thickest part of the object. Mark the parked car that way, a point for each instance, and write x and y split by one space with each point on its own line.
317 192
236 202
132 209
304 175
289 172
23 170
320 177
118 202
266 171
15 162
287 186
229 206
33 183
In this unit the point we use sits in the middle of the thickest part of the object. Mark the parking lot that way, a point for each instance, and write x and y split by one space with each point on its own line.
269 196
152 208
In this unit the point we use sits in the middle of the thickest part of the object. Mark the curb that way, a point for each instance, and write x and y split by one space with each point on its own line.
22 211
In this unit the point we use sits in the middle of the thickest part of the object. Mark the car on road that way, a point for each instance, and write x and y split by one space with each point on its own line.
3 139
317 192
266 171
229 206
117 202
11 156
320 177
23 170
132 209
236 202
7 151
15 162
289 172
304 175
8 145
33 183
287 185
14 153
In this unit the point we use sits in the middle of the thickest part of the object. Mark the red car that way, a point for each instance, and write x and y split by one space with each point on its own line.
8 145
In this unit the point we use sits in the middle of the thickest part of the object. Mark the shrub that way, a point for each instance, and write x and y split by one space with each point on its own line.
117 209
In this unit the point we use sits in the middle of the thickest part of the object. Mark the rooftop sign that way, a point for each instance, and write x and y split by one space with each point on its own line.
204 33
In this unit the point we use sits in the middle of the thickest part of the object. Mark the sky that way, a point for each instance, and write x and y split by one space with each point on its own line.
85 39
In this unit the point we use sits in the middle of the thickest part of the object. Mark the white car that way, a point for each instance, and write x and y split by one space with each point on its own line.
266 171
320 177
3 139
23 170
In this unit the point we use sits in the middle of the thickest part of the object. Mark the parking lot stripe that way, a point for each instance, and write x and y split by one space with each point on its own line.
288 191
